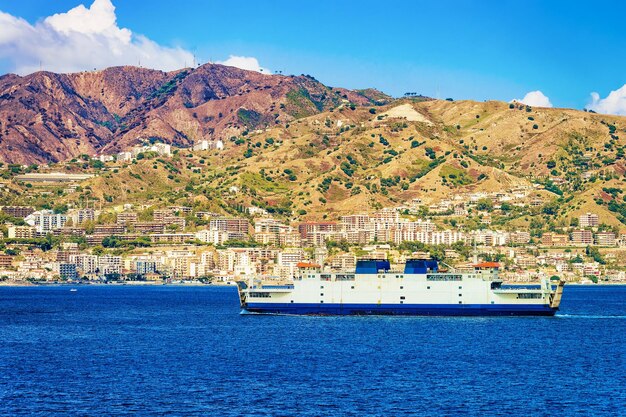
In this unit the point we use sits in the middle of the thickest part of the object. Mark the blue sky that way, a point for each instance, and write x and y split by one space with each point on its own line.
466 50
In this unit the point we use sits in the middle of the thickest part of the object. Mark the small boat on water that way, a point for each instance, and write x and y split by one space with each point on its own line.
73 290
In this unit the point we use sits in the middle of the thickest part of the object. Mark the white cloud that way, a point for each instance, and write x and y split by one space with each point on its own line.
81 39
614 103
536 99
246 63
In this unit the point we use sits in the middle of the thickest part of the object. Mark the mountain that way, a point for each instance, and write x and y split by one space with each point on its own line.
351 159
302 150
47 117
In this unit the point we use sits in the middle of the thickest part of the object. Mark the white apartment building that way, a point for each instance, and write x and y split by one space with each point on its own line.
588 220
21 232
216 237
46 221
87 264
109 264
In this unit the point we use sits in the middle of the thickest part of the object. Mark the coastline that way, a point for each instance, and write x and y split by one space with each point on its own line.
215 284
114 284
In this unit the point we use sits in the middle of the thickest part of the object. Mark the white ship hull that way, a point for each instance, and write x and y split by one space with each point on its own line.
396 293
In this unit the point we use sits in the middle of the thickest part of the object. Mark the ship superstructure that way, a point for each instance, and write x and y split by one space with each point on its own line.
420 288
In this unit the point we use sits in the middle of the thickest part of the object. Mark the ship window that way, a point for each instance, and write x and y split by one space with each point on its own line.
493 302
339 277
460 288
322 294
428 288
401 287
443 277
321 301
460 295
352 287
401 302
321 286
460 302
528 295
292 301
402 298
260 295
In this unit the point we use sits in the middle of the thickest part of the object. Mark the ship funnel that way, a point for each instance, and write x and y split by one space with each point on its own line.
420 266
372 266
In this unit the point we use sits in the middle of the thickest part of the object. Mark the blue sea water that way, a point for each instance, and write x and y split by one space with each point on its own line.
121 350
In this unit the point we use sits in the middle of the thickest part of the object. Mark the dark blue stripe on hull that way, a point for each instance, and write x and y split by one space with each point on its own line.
404 309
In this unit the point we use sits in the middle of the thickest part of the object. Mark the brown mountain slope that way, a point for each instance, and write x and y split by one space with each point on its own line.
352 159
46 117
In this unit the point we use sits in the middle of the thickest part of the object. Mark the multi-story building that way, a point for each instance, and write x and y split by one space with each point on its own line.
290 257
233 225
109 229
68 271
361 237
127 218
526 261
355 222
588 220
70 231
307 229
149 227
520 237
208 259
110 265
145 267
489 238
172 237
80 216
181 266
161 214
64 255
289 239
87 264
387 216
46 221
269 225
554 239
319 238
237 236
605 239
179 222
216 237
18 211
21 232
265 238
345 262
582 237
6 261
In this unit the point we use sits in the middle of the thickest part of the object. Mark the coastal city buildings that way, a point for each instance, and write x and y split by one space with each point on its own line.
163 246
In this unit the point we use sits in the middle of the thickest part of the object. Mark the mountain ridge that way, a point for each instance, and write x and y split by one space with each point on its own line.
49 117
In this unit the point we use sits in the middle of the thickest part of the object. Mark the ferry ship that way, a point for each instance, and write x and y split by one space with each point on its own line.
421 288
